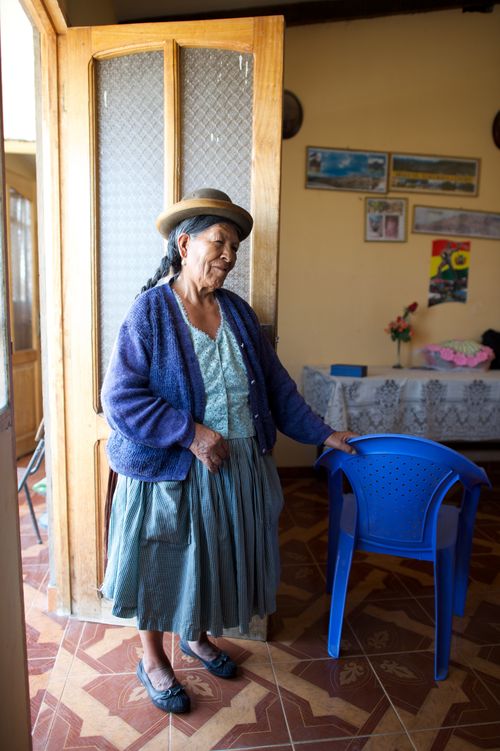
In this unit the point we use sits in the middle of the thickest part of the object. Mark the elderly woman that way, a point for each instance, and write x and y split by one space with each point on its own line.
193 394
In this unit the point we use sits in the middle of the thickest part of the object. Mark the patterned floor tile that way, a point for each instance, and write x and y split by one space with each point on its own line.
318 546
34 553
39 672
482 623
416 576
467 738
43 723
72 635
36 576
84 693
486 665
286 747
109 712
296 552
487 537
484 571
391 626
285 522
111 649
305 635
244 712
423 703
328 699
374 579
393 742
44 633
307 509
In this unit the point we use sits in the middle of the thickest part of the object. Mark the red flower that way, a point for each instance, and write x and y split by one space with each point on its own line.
400 329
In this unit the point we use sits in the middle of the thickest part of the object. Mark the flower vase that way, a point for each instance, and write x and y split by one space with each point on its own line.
398 351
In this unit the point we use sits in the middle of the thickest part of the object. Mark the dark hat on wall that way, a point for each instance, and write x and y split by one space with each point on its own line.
205 201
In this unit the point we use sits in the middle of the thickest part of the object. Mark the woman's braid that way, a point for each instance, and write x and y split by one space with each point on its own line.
160 272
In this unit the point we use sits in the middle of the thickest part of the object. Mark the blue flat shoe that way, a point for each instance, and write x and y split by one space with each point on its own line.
173 699
222 666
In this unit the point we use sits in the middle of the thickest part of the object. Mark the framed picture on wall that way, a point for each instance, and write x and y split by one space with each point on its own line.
434 174
346 169
433 220
385 220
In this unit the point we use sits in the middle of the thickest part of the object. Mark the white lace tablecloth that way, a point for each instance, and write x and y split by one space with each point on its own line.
443 406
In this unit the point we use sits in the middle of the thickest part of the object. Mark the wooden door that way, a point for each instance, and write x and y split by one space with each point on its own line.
14 705
148 113
24 308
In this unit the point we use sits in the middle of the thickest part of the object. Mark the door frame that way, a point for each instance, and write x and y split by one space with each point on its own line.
50 23
47 18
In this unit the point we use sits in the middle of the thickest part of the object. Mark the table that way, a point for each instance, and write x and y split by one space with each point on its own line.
441 405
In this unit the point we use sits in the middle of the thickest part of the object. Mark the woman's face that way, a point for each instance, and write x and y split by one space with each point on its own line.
209 257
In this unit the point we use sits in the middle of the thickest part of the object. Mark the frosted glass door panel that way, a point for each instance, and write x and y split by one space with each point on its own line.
216 133
130 178
21 244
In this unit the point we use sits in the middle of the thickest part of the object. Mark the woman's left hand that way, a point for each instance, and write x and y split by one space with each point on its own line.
338 440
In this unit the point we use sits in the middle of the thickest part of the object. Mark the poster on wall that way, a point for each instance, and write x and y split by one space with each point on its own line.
449 272
385 219
346 169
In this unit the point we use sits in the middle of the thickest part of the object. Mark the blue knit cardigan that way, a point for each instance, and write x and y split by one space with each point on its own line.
153 390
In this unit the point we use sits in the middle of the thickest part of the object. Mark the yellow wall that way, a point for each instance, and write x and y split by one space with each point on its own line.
427 84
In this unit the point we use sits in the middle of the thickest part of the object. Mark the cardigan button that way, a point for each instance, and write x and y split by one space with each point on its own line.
264 451
256 417
252 382
242 345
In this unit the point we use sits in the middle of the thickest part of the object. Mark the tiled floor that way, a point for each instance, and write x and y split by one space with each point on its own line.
289 695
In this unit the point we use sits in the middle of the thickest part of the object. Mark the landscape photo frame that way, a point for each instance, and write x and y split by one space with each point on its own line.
346 169
435 220
418 173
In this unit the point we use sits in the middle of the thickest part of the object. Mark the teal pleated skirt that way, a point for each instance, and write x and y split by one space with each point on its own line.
201 554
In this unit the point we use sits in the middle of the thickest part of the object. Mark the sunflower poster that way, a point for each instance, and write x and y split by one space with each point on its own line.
449 272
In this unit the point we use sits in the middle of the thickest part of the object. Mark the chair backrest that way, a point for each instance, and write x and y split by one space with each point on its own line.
33 465
399 483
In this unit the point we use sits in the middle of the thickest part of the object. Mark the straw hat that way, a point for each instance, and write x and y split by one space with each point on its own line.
205 201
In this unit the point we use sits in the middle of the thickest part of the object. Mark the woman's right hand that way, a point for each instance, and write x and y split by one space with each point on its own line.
209 447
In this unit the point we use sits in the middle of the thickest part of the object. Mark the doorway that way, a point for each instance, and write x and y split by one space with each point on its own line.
18 66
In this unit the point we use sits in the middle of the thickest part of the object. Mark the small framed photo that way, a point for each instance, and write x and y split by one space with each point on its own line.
385 220
347 169
434 174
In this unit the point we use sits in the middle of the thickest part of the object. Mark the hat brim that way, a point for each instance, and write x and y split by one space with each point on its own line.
190 207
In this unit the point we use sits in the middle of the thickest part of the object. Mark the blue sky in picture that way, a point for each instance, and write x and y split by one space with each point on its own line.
343 163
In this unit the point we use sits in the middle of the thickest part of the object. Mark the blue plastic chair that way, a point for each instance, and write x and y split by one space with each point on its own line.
398 485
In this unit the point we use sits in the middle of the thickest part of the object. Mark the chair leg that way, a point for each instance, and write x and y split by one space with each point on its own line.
33 517
464 547
334 515
339 592
444 567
